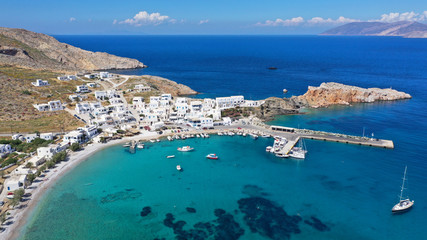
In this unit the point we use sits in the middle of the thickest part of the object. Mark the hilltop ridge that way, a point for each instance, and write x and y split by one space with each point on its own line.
404 29
27 49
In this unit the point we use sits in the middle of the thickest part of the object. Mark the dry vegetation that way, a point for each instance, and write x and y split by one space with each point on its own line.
17 96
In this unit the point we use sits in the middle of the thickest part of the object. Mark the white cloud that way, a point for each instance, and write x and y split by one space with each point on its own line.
406 16
115 21
145 18
203 21
72 19
280 22
340 20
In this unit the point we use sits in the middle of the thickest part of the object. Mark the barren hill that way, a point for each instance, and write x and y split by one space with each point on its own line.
23 48
402 29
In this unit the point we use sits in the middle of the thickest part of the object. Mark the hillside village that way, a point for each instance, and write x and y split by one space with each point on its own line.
109 106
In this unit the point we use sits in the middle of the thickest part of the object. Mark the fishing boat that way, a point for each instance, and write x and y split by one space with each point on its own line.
244 134
170 156
152 141
254 136
140 146
170 138
298 152
212 156
265 135
269 149
178 167
404 204
185 149
157 140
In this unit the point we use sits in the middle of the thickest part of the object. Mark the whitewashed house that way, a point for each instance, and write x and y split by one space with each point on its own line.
138 103
92 85
91 131
103 74
181 105
48 152
229 102
83 108
47 136
82 89
91 75
15 182
74 137
30 137
206 122
166 96
5 149
16 136
55 105
40 83
142 88
77 97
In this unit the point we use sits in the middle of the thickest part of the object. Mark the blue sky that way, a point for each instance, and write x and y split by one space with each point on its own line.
201 16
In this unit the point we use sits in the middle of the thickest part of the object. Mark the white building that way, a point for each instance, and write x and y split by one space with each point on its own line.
40 83
5 149
206 122
50 106
77 97
16 136
92 85
15 182
251 103
103 74
142 88
138 103
47 152
67 77
74 137
196 106
181 105
229 102
91 75
82 89
83 108
30 137
47 136
91 131
226 121
166 96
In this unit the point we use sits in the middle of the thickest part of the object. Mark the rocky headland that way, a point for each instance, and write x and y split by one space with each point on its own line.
26 49
325 95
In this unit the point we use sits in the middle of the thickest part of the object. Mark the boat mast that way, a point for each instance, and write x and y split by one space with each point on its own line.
403 184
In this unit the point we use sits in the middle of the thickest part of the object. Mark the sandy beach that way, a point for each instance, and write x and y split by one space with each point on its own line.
19 215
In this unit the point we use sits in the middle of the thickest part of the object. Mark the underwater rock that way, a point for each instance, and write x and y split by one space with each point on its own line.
317 224
191 210
253 191
145 211
123 195
264 217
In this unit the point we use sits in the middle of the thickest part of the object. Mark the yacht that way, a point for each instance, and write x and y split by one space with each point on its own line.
298 152
212 156
404 204
185 149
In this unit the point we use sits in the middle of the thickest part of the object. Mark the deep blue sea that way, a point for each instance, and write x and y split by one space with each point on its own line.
249 193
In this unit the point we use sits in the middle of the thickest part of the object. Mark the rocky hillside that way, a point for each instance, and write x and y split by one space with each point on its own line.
403 29
23 48
335 93
274 106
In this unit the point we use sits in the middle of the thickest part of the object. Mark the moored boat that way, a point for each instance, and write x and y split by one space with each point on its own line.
178 167
170 156
404 204
212 156
268 149
185 149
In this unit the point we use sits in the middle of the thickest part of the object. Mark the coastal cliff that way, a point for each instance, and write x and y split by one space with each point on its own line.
336 93
326 94
274 106
23 48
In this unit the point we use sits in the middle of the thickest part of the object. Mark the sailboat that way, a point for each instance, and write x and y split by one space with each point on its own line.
404 204
298 152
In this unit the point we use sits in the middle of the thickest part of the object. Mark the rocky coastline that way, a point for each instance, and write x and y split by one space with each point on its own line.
26 49
325 95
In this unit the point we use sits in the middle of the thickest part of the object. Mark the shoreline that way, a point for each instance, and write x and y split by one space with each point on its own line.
20 215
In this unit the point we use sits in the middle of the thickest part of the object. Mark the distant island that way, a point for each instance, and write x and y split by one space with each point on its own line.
404 29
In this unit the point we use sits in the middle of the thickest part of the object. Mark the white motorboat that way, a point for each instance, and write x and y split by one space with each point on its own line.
170 138
140 146
268 149
152 141
185 149
244 134
178 167
404 204
198 135
157 140
298 152
265 135
170 156
254 136
280 155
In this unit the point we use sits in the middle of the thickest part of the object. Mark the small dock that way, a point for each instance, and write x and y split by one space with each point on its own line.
331 137
289 145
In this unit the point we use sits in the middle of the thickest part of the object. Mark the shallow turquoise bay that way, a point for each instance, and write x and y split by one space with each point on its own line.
339 184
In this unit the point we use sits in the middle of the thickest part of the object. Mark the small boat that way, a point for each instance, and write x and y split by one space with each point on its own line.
170 156
198 135
254 136
298 152
220 134
212 156
272 68
280 155
185 149
140 146
268 149
207 135
265 136
244 134
126 145
157 140
152 141
178 167
170 138
404 204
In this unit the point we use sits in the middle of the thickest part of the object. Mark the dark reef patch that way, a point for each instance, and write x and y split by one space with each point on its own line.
267 219
253 191
145 211
123 195
222 228
190 210
317 224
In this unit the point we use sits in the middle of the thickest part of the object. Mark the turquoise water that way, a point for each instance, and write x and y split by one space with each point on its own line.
346 187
